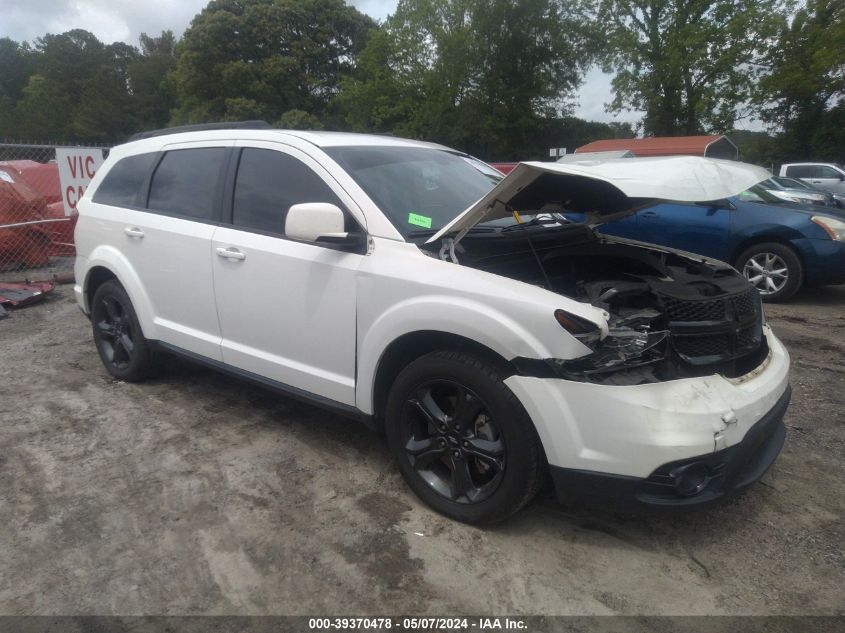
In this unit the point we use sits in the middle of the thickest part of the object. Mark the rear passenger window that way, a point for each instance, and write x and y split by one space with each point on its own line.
185 182
268 184
123 182
800 171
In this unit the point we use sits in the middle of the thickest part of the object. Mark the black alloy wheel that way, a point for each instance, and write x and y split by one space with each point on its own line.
452 441
461 439
125 353
114 333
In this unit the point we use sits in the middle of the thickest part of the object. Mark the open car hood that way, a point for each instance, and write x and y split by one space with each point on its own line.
607 187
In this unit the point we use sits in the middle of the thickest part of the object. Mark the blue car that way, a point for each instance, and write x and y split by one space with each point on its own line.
778 246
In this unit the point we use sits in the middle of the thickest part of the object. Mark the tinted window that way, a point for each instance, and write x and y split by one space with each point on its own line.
268 184
186 180
827 172
122 183
800 171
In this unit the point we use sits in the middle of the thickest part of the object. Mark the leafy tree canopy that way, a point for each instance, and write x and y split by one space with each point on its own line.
803 93
476 74
688 64
260 58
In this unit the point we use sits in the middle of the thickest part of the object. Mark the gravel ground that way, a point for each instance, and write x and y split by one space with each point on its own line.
197 494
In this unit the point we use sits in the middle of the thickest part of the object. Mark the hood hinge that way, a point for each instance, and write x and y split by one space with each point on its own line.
448 248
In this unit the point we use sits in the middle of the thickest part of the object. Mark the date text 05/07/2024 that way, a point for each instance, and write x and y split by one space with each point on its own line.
418 624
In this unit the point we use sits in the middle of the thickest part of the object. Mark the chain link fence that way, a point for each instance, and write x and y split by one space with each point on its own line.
36 233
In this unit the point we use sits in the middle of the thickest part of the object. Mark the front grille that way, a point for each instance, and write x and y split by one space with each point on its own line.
749 338
702 345
709 310
746 303
709 331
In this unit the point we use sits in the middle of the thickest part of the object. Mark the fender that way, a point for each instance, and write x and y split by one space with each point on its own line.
464 317
112 259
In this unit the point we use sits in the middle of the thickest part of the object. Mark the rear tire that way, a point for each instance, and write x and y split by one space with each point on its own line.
125 353
774 269
462 440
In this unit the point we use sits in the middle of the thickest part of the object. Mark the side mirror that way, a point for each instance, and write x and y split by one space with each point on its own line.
314 221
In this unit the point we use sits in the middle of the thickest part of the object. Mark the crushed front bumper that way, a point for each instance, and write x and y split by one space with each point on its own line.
637 438
688 482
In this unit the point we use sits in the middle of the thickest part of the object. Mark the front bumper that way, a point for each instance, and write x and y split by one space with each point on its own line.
630 432
689 482
824 260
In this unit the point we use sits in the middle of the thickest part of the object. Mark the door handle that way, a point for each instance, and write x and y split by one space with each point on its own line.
816 182
649 214
134 231
231 253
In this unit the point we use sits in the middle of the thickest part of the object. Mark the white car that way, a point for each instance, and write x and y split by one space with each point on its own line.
827 176
410 286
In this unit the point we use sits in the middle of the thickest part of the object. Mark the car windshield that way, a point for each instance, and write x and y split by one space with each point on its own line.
757 193
790 183
417 188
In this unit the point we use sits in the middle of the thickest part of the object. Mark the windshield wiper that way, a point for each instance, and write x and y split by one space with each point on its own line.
428 232
544 220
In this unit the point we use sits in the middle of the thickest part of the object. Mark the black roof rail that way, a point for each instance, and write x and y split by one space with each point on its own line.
199 127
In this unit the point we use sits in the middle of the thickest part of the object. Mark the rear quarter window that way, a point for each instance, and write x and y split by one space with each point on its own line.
186 181
122 184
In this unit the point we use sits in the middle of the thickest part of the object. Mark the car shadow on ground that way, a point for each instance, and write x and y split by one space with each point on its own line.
819 296
334 434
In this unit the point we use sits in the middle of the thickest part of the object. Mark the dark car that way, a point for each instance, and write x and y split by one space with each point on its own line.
778 246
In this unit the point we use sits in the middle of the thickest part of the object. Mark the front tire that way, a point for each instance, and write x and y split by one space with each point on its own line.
461 439
125 353
774 269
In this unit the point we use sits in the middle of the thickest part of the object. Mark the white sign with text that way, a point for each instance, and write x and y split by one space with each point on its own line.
77 166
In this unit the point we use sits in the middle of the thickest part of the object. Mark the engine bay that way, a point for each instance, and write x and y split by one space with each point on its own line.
671 315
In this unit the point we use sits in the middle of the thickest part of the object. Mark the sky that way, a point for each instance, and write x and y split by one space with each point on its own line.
125 20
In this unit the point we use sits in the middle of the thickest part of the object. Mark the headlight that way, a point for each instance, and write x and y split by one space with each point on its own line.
834 228
585 331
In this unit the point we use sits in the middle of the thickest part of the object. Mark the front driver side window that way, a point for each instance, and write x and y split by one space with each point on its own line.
268 183
827 172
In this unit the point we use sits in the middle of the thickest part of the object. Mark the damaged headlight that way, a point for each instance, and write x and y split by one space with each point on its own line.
585 331
630 341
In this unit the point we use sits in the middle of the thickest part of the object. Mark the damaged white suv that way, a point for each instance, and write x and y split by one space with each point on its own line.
410 286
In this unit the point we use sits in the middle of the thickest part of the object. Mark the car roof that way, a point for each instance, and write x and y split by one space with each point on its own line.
813 163
321 139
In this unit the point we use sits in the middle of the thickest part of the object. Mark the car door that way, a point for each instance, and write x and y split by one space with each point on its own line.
828 178
287 308
166 238
697 228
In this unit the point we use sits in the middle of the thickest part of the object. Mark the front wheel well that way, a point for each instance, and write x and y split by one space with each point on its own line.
409 347
96 277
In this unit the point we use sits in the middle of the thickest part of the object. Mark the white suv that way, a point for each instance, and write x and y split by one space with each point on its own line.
412 287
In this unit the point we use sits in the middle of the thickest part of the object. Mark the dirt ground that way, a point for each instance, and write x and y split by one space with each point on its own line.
197 494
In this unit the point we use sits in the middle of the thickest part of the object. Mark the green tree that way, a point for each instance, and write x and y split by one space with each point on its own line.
481 75
803 93
15 69
264 57
79 90
43 112
152 89
299 120
688 64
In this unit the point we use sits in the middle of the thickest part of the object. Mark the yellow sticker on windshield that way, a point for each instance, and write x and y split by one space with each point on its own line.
419 220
